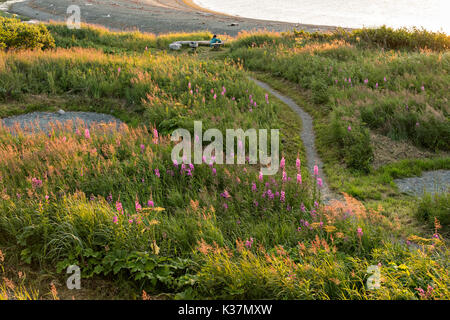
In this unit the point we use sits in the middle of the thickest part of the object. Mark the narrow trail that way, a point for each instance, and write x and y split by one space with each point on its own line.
308 138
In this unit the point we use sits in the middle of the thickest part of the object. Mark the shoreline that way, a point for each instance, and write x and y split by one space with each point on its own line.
153 16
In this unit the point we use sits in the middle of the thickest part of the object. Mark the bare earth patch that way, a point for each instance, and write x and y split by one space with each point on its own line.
387 151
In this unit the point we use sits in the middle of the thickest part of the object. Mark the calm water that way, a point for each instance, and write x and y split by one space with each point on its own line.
430 14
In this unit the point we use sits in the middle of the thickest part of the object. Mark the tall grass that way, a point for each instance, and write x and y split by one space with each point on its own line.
400 91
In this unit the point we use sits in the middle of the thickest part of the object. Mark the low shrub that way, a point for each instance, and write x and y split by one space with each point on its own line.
15 34
352 143
433 207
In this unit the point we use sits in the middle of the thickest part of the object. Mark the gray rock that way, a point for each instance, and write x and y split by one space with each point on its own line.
430 182
36 121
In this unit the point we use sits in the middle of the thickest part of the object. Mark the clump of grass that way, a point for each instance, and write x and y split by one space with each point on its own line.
329 262
93 36
400 93
434 209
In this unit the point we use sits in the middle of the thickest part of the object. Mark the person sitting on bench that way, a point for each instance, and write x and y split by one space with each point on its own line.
215 41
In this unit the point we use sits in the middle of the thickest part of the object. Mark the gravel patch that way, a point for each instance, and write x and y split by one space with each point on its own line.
37 121
431 182
307 135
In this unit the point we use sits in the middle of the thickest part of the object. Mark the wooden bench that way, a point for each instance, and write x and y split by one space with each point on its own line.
177 45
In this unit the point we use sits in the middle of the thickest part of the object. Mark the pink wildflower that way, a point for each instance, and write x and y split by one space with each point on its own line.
299 178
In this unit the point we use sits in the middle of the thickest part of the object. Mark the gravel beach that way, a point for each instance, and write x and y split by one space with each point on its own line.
155 16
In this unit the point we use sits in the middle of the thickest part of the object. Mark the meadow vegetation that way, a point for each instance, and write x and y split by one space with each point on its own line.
110 199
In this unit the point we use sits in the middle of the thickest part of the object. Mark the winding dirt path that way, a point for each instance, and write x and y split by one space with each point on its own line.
307 135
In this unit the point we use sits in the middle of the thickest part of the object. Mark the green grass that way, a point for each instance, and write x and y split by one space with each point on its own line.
399 93
112 201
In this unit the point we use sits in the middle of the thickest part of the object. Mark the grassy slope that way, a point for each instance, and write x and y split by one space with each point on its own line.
183 235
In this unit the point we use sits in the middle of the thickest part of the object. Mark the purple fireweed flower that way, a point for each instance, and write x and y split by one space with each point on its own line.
115 219
260 177
316 170
299 178
189 85
359 232
302 207
157 173
299 229
249 243
130 221
282 163
138 206
150 203
319 182
109 198
175 163
376 85
119 207
215 96
142 147
255 203
366 81
384 79
155 136
298 164
47 197
254 189
284 176
225 194
87 135
36 183
422 88
349 128
214 171
225 206
282 196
